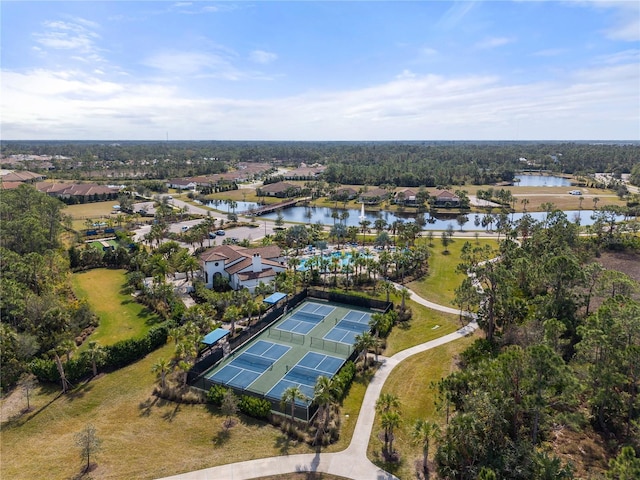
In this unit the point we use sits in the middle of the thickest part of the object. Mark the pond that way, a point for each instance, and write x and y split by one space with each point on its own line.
541 181
240 206
323 215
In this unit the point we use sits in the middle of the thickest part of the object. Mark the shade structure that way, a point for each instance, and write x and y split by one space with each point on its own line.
275 298
212 338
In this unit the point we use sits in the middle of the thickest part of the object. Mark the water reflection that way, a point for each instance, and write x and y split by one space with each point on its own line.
541 181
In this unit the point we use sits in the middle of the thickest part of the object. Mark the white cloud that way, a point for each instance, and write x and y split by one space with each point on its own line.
493 42
626 18
262 57
192 63
77 36
68 104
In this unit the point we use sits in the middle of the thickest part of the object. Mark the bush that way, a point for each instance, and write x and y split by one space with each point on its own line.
118 355
216 394
344 378
255 407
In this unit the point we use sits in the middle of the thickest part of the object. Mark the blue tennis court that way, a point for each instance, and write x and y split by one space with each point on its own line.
305 373
352 324
247 367
303 320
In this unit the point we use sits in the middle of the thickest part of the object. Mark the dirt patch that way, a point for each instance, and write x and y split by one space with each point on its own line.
585 450
628 263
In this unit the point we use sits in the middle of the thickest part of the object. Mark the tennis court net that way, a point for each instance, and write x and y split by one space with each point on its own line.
307 317
251 360
303 375
353 326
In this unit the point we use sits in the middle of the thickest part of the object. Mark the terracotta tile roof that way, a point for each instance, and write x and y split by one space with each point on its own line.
254 275
231 253
20 176
9 185
278 187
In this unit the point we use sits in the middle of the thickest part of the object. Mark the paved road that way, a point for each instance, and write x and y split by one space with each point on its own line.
352 462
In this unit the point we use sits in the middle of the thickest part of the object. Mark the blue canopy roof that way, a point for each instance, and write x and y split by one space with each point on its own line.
275 297
212 337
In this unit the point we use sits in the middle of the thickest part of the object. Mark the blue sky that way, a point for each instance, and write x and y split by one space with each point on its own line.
329 70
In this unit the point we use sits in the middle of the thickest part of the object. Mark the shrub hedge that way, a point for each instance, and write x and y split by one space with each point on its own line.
118 355
251 406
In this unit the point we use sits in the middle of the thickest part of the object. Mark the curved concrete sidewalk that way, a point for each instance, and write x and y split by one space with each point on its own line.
351 462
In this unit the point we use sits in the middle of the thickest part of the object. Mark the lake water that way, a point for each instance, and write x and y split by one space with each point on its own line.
240 206
323 215
541 181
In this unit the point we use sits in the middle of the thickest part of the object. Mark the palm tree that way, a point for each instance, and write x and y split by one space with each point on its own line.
388 287
190 264
378 322
422 432
404 294
363 343
231 316
161 367
95 353
389 421
290 395
323 395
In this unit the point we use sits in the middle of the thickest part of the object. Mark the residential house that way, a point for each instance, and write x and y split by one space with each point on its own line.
279 189
79 192
181 184
20 176
374 196
445 199
345 194
242 267
406 197
304 172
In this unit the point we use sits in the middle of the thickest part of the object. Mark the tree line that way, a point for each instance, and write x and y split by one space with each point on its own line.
361 163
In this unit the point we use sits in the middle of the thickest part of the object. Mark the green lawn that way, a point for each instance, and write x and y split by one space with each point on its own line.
411 382
120 315
425 325
143 437
440 284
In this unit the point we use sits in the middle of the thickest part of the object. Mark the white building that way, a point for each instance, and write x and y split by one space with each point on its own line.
243 267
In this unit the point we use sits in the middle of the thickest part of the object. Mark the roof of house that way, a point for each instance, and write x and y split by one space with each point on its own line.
278 187
446 194
20 176
233 252
348 190
407 192
180 181
242 264
305 171
9 185
75 189
269 272
374 192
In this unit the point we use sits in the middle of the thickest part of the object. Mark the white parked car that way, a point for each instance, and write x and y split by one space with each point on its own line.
575 192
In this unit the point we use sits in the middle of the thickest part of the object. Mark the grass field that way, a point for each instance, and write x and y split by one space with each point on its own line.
90 210
425 325
411 382
120 315
440 284
143 437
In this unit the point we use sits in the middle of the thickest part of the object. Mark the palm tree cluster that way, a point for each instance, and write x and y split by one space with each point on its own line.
387 407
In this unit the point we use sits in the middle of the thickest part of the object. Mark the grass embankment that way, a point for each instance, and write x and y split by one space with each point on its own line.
411 382
121 317
440 284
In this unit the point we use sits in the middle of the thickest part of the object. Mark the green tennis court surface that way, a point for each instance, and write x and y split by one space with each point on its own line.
294 351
